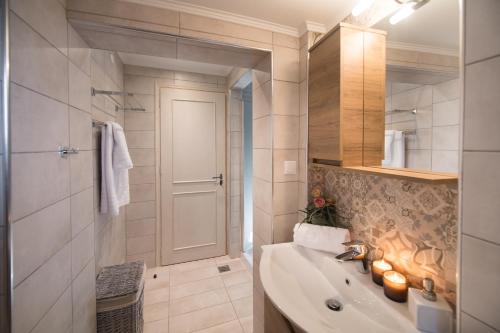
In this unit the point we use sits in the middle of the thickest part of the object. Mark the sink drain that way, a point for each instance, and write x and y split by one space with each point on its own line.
333 304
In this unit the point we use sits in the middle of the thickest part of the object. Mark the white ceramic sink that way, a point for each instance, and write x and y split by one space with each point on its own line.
299 280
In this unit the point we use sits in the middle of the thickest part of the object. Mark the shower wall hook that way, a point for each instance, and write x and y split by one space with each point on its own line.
65 151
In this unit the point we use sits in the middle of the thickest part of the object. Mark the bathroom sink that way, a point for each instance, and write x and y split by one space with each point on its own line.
298 281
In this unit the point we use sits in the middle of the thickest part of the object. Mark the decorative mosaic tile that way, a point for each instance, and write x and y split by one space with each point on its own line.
413 222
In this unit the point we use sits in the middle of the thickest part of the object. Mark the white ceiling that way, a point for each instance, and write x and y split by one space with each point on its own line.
292 13
435 24
174 64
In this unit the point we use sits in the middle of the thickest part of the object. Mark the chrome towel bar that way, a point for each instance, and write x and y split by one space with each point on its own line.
65 151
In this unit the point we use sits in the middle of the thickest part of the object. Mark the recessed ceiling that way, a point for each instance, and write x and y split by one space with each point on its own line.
292 13
435 24
174 64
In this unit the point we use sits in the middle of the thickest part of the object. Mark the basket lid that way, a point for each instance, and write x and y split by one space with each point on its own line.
120 280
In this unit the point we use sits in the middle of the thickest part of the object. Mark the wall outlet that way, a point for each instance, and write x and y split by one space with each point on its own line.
290 167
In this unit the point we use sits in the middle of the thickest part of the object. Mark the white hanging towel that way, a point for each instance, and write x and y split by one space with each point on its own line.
115 163
389 139
398 150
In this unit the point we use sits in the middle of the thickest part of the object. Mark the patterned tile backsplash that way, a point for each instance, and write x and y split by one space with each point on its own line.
414 223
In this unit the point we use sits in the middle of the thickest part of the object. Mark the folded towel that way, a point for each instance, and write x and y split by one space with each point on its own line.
398 150
389 139
317 237
115 163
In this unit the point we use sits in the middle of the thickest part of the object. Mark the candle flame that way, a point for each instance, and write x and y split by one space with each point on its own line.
395 277
383 265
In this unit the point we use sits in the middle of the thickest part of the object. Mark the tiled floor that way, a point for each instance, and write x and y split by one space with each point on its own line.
195 297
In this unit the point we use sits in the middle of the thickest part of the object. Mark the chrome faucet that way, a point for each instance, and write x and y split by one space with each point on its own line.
356 251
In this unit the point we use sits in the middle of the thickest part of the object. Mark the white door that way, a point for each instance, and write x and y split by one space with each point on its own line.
192 160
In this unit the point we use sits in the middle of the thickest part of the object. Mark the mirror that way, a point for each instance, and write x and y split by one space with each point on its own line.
422 114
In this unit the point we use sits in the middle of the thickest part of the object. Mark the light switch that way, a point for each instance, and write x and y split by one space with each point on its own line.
290 167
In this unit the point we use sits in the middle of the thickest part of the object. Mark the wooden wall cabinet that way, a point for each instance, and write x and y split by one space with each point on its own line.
347 97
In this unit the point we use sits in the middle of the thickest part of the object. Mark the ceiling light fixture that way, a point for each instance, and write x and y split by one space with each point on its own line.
361 7
408 8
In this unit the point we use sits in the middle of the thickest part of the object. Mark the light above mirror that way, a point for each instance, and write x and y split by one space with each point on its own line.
406 10
361 7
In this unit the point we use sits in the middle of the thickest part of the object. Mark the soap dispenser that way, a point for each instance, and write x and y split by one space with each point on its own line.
430 313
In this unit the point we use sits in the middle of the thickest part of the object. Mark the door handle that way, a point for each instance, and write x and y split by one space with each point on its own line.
220 178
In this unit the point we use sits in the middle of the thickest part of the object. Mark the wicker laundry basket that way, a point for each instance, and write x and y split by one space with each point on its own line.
120 298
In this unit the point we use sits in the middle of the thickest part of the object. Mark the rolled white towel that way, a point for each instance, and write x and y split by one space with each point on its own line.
317 237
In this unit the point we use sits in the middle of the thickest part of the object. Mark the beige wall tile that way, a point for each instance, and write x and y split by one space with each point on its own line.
139 84
142 192
262 225
285 40
79 88
140 139
139 245
262 132
38 237
303 63
82 250
262 100
226 40
263 164
478 277
36 295
142 157
481 105
82 210
482 39
148 258
445 161
302 195
39 123
303 131
446 91
205 24
285 132
78 51
445 137
279 158
36 64
129 11
283 227
285 198
141 228
81 171
59 318
481 177
262 195
142 175
140 210
446 113
303 98
47 17
80 129
472 325
84 306
286 98
285 64
139 121
148 71
419 159
38 180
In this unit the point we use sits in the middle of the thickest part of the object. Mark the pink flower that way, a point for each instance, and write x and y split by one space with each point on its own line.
319 202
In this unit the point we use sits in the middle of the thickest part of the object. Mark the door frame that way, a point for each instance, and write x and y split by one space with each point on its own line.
158 119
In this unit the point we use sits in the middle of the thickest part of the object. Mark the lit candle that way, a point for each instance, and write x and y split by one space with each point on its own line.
395 286
379 267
